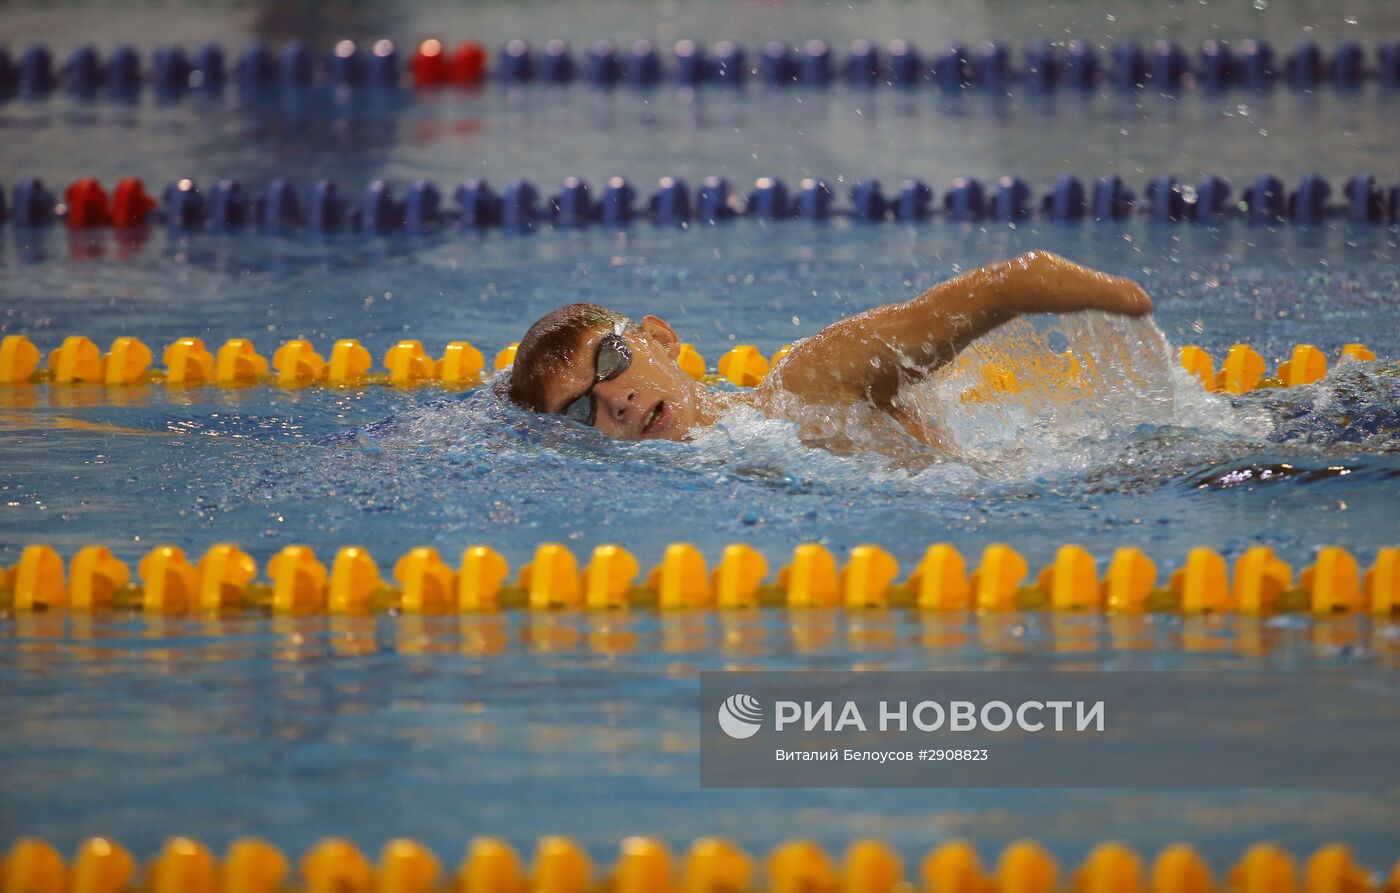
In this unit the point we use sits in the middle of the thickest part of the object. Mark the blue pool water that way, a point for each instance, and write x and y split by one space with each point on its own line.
519 725
397 469
445 729
442 729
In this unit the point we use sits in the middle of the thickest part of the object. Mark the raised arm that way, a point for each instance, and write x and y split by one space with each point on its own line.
870 355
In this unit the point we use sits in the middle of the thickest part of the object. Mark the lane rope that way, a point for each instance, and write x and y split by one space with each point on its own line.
646 865
1045 66
282 208
296 582
188 364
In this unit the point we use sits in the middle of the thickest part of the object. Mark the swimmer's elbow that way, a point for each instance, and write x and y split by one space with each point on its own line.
814 369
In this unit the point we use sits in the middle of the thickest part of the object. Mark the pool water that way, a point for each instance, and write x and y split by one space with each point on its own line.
397 469
519 725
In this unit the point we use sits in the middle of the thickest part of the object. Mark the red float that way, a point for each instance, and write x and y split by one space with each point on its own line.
469 64
429 64
87 204
130 203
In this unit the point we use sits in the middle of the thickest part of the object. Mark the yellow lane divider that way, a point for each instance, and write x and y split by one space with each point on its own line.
1244 368
188 363
296 582
646 865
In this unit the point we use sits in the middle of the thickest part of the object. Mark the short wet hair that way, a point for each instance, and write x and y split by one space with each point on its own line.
550 345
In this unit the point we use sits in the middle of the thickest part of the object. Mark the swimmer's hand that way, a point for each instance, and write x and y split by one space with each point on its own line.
1041 282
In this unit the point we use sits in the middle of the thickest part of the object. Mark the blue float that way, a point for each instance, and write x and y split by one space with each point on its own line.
573 204
615 206
345 67
294 65
1255 64
1011 200
1042 65
813 199
382 69
515 64
776 67
992 70
1217 65
604 69
422 207
184 205
713 200
228 206
731 64
1266 200
279 208
1169 65
33 204
1112 200
966 201
9 75
814 68
1167 201
868 201
1129 69
170 70
912 203
952 70
209 68
1065 203
643 66
863 64
477 205
36 76
378 212
325 208
1308 203
1388 64
1082 67
1212 194
83 71
1304 65
670 203
256 69
1348 65
556 63
4 206
769 200
692 68
1365 203
906 67
122 73
518 205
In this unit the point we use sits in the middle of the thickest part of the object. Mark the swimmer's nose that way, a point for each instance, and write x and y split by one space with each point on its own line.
619 402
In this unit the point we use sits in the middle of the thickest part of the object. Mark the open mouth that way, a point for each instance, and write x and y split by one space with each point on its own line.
659 414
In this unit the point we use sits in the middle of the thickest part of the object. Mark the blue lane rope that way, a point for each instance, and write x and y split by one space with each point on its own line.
281 206
1043 66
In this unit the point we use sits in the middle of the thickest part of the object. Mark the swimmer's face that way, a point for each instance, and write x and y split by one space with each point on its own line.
649 399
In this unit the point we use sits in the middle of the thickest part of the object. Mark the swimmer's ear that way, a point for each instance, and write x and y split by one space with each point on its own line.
657 328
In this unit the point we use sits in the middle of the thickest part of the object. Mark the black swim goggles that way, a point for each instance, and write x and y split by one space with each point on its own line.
614 358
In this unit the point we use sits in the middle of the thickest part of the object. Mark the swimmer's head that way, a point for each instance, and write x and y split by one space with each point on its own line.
597 367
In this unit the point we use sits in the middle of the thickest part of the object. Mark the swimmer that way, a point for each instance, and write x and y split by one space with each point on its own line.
596 367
